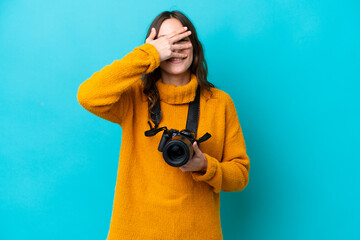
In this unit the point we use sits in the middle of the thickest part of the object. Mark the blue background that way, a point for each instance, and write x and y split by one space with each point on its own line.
291 67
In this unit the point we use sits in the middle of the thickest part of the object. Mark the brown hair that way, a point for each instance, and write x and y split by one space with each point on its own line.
198 66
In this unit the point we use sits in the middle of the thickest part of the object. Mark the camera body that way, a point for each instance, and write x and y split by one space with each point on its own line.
176 146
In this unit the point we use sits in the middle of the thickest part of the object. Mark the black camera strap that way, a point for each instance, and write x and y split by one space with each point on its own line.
192 118
193 113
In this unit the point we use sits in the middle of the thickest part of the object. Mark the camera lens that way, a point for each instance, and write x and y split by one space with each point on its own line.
176 152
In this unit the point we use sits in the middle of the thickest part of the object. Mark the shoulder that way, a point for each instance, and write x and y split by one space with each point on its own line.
218 95
222 101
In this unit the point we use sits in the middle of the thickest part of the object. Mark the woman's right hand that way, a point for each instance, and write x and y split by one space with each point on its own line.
165 44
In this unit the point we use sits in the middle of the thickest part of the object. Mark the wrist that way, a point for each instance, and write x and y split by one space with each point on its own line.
205 165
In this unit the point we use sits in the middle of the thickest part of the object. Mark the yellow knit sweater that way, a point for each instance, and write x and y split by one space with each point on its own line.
154 200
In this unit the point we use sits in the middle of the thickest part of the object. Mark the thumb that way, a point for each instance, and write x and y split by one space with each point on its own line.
152 34
196 147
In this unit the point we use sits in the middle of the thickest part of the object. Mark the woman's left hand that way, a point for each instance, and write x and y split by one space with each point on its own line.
197 163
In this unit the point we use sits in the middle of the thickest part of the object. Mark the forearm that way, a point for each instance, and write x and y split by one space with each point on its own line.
104 88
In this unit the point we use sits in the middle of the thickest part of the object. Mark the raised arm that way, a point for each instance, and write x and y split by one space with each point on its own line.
107 93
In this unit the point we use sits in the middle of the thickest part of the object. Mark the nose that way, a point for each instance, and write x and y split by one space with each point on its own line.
179 50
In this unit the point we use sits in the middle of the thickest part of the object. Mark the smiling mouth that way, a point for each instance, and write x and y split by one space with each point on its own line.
176 60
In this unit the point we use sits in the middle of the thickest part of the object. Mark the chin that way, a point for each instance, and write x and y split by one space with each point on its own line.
175 70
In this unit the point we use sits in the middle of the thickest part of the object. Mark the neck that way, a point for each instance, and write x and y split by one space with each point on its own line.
177 80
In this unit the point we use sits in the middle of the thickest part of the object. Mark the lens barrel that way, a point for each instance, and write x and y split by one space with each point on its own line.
178 151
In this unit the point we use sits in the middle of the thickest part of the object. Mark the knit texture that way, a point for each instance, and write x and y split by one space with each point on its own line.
154 200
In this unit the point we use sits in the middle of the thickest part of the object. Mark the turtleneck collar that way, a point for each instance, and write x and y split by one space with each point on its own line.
172 94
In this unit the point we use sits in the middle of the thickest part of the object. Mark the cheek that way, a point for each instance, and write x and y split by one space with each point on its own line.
191 55
189 52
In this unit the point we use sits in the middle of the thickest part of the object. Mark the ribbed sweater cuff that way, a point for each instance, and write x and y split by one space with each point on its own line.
210 171
154 56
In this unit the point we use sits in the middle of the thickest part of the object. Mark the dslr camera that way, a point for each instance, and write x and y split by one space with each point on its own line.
176 146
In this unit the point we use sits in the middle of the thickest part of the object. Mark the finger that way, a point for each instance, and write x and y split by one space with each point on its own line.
177 32
179 37
181 46
178 55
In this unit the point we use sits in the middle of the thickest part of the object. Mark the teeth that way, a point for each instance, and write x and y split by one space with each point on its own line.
174 59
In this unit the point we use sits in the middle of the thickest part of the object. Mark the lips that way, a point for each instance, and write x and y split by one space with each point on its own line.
175 60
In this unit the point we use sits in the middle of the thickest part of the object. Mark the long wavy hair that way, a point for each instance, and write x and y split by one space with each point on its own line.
198 66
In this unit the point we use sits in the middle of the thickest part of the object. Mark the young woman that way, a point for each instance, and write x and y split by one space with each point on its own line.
154 199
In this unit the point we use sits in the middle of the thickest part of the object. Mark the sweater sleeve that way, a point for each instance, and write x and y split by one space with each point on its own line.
107 92
232 173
